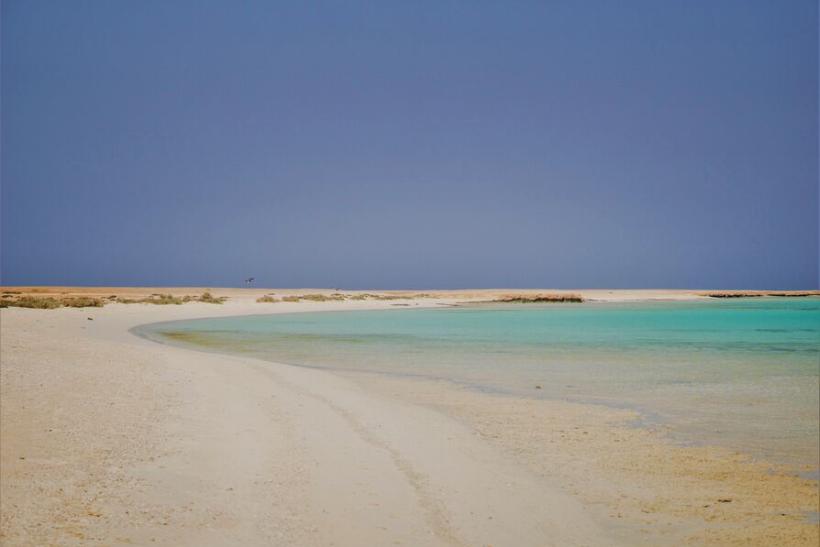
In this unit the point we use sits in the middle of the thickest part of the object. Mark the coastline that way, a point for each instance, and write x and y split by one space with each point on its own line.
129 441
432 296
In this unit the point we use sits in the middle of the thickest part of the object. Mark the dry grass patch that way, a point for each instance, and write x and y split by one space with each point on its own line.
40 303
386 297
753 294
83 302
158 299
50 302
733 294
267 299
169 299
539 298
335 297
208 298
373 296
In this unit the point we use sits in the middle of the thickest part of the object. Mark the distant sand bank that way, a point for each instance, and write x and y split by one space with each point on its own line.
109 438
54 297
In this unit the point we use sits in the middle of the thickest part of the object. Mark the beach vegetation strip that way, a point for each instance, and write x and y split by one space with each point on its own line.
14 300
758 294
338 297
539 298
49 302
165 299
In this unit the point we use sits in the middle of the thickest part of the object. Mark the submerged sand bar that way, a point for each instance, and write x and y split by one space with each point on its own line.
109 438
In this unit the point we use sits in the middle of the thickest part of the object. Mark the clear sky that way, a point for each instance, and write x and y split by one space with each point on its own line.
411 144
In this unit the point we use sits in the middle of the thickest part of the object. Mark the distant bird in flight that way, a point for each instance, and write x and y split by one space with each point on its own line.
249 281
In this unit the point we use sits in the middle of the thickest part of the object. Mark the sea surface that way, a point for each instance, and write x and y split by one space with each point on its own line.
739 373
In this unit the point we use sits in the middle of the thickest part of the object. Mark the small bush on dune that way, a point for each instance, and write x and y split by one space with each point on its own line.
165 299
267 298
208 298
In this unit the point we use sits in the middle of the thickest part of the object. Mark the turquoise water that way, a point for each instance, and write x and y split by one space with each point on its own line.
742 373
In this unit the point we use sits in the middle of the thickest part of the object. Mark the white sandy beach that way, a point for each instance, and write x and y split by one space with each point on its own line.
417 175
111 439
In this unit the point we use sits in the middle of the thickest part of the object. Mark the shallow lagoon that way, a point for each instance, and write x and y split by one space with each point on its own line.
741 373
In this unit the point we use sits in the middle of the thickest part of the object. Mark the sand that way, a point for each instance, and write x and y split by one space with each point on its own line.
106 438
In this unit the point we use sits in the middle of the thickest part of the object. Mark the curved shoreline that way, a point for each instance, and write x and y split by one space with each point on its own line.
795 450
610 421
130 441
332 441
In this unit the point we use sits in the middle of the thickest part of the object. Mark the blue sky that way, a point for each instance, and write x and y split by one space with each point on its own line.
410 144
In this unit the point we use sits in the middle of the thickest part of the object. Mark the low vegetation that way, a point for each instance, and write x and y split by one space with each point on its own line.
50 302
158 299
18 299
8 300
208 298
539 298
757 294
322 297
40 303
372 296
387 297
315 297
167 299
83 302
338 297
733 294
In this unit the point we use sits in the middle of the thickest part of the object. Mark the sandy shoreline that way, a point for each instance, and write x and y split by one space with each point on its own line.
111 439
593 295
